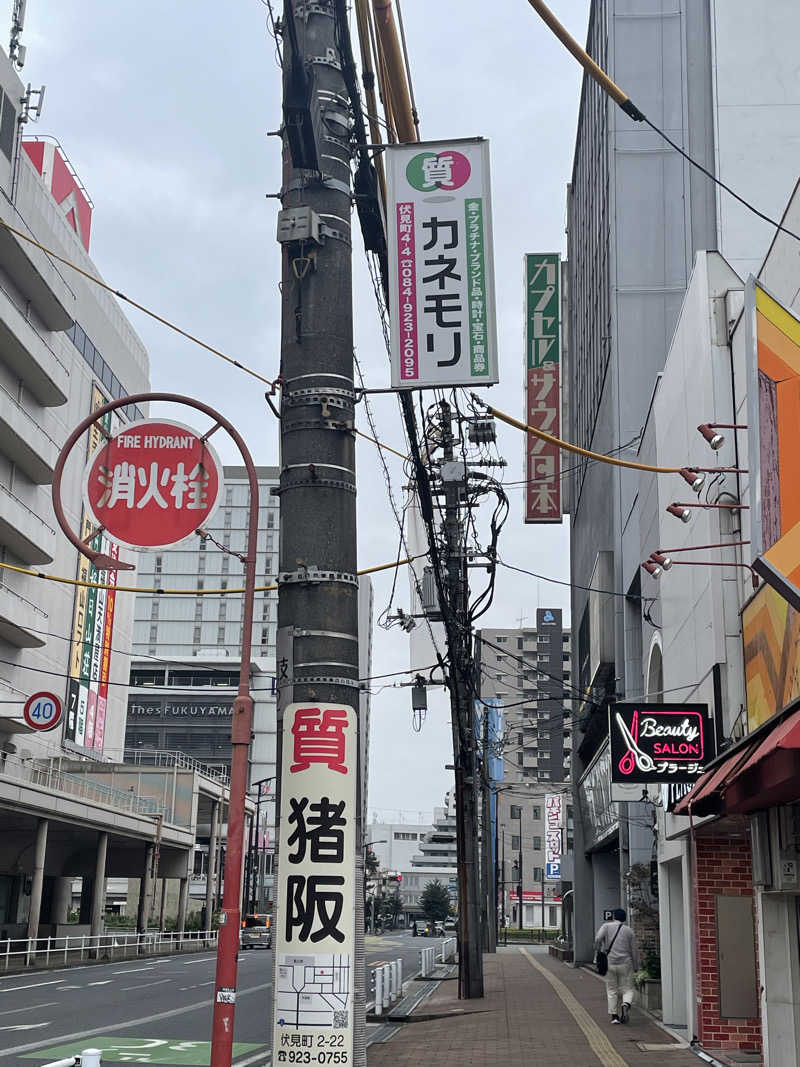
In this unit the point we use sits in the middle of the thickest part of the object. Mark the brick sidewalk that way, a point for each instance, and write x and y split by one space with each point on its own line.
526 1020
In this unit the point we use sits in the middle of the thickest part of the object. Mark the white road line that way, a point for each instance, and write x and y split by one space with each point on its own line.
130 970
144 985
33 985
197 959
64 1039
63 988
106 981
33 1007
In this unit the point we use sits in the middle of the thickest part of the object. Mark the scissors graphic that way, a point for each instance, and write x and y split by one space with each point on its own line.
634 757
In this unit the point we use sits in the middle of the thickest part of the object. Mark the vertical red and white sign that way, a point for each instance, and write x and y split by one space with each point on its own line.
315 935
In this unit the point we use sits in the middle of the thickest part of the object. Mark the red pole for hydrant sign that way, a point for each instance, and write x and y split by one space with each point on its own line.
241 732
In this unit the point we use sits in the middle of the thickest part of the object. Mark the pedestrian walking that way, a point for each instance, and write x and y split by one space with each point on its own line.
617 959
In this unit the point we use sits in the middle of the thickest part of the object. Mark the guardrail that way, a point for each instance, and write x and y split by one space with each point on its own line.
427 960
110 946
449 948
387 984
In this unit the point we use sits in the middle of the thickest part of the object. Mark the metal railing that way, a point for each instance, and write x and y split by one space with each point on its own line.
50 774
448 949
109 946
387 982
156 758
427 960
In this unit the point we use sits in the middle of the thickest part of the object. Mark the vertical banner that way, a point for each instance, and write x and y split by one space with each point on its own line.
315 939
542 385
92 628
553 829
442 303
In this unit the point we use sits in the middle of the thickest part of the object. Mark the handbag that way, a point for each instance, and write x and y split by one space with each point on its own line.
601 960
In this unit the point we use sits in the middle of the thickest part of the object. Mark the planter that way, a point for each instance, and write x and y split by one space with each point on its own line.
561 952
650 994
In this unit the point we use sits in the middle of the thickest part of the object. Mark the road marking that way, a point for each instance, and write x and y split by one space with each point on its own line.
83 1034
197 959
130 970
144 985
63 988
260 1057
33 1007
25 1026
33 985
598 1042
106 981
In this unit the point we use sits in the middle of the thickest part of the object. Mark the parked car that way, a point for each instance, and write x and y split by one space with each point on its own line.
450 924
256 931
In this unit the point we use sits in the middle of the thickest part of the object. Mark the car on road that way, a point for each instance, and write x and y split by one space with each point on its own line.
450 925
256 931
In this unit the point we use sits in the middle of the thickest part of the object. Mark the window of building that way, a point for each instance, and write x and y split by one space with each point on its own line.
537 812
154 634
501 640
551 915
537 844
538 874
544 774
516 811
519 759
147 677
515 843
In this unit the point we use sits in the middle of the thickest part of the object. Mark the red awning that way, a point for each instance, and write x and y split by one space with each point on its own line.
761 774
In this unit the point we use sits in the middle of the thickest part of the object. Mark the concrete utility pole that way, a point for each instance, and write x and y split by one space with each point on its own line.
317 581
463 721
488 902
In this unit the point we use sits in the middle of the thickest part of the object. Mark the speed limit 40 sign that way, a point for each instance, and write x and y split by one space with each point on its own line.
43 711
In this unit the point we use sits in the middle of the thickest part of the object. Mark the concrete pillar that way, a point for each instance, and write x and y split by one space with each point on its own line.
99 888
85 905
183 899
62 897
163 903
144 890
212 856
37 882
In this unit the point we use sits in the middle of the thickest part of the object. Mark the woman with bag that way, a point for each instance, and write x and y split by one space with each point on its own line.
617 958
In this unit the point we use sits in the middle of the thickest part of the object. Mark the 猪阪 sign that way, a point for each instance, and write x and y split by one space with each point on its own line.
660 743
315 935
441 272
152 484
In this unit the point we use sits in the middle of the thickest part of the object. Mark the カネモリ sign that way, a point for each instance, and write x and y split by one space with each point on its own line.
152 484
440 264
660 743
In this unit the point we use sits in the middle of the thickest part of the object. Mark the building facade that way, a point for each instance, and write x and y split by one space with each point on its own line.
718 78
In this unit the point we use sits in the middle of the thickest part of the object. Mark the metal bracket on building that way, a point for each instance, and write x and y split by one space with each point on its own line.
328 60
311 575
331 397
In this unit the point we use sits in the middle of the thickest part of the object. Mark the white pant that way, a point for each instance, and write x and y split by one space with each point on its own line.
619 986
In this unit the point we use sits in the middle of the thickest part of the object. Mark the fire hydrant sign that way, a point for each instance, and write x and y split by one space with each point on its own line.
315 935
152 484
441 302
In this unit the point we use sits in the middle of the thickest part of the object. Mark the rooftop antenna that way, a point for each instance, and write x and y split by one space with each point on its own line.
17 51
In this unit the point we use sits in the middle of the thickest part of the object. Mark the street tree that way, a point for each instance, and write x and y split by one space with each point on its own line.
435 901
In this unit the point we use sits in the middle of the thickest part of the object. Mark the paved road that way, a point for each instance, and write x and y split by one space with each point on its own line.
151 1011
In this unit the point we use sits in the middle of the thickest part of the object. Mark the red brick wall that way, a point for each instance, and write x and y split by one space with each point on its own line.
723 869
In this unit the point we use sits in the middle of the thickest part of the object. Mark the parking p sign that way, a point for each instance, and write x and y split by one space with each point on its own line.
43 711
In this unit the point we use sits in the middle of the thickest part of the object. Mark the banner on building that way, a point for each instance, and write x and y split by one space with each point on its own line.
773 431
771 633
441 272
92 625
315 936
542 276
553 835
660 744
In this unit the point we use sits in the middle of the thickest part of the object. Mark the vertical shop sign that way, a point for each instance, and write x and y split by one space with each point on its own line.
554 833
542 385
315 935
442 301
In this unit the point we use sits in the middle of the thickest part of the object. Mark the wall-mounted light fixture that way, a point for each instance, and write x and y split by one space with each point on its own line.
714 439
693 478
652 569
662 559
680 512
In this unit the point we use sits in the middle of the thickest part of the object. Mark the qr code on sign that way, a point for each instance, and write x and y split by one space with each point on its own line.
340 1020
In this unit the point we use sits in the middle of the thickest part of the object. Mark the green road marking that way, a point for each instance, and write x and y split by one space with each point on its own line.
142 1050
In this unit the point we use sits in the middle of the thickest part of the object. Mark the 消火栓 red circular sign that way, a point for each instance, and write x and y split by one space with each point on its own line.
152 484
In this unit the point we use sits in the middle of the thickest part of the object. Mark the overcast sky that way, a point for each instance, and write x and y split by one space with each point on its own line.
163 110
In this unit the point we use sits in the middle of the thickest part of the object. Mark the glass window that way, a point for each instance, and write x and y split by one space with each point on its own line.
537 844
537 812
106 376
515 843
516 811
79 338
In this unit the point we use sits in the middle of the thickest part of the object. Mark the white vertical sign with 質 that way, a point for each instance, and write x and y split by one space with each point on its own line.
315 935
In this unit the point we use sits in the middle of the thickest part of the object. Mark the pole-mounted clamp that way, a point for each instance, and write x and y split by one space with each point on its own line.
305 8
312 575
328 60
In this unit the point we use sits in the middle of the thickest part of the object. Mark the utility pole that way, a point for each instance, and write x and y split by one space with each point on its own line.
317 581
463 721
488 905
519 890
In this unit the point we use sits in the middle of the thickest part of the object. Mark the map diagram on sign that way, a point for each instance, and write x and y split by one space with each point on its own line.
313 991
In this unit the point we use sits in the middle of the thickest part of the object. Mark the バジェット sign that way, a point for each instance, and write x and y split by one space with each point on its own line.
152 484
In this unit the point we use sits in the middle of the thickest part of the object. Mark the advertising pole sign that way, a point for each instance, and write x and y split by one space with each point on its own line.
660 744
152 484
441 271
315 935
554 833
543 385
